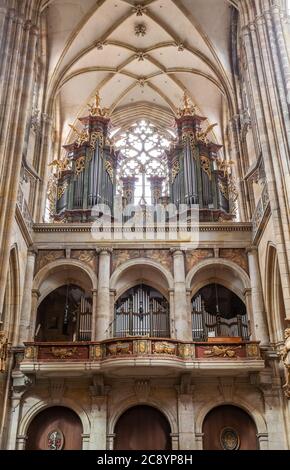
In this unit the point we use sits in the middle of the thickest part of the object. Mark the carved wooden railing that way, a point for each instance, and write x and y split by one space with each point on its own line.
140 347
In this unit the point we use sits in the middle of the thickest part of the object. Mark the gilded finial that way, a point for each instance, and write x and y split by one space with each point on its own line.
187 108
96 109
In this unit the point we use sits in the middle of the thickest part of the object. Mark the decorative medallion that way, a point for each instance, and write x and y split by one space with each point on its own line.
229 439
55 440
140 30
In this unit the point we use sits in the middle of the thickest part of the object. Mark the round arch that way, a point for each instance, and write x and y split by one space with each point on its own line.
224 265
51 271
43 405
126 404
256 416
121 270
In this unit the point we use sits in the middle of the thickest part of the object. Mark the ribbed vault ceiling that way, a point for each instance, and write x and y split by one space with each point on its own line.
92 45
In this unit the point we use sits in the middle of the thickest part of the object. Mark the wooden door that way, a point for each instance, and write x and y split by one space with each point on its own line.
56 428
142 428
229 428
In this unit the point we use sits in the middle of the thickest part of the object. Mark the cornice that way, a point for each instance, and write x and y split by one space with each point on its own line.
204 227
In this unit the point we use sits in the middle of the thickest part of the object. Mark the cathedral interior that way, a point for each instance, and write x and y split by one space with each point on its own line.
144 235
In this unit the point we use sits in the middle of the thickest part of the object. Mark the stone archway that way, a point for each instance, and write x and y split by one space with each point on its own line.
55 428
142 427
228 427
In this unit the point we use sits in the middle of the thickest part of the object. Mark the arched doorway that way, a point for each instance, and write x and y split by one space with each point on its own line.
56 428
228 427
64 315
142 428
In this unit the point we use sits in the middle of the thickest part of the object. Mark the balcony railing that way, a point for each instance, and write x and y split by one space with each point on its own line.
140 347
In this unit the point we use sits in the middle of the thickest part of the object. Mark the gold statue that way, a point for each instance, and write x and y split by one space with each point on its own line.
3 350
187 109
285 356
95 109
83 136
202 135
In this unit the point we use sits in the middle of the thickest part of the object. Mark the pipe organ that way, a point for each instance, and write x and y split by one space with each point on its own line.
189 172
86 177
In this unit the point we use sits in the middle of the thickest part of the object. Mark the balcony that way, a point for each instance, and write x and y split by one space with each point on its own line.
150 356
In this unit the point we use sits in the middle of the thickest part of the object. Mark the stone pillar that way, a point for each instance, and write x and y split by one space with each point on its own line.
103 299
35 294
110 441
20 386
172 314
94 313
112 312
183 331
18 54
259 314
186 418
27 298
98 416
265 64
85 442
263 441
45 151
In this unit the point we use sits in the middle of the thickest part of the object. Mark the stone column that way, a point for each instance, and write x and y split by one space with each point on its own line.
172 314
259 314
183 331
35 294
98 416
94 313
110 441
27 298
17 71
263 441
103 299
186 418
20 385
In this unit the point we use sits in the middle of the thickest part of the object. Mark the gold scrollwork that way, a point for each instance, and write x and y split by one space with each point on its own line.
205 165
186 350
202 135
30 352
175 170
80 164
118 349
98 351
253 350
221 351
163 347
223 187
97 137
60 165
189 137
63 353
109 170
83 136
61 190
